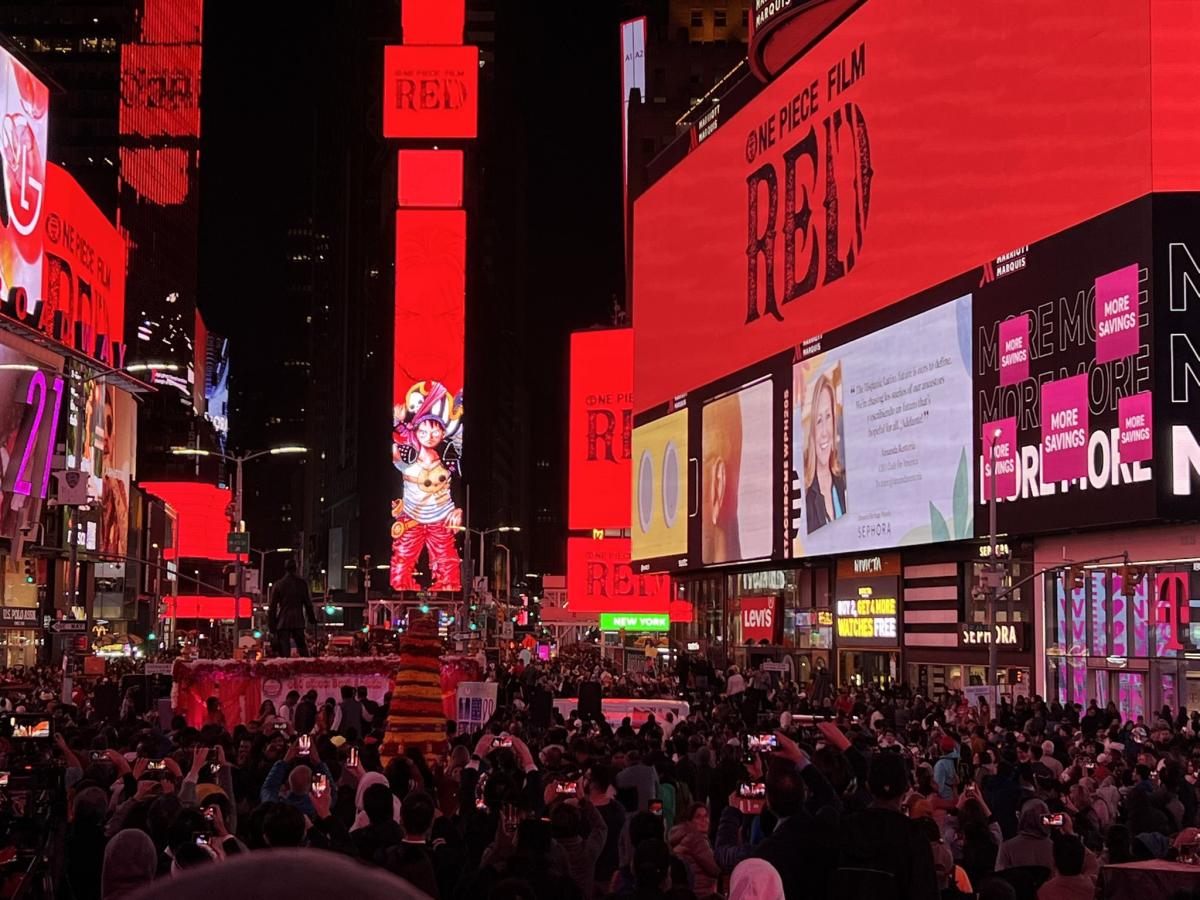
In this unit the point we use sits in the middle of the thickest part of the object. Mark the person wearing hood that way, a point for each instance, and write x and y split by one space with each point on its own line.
883 838
361 818
1032 845
579 830
689 841
130 861
755 879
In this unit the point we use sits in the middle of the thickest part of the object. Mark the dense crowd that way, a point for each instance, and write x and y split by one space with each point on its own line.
758 792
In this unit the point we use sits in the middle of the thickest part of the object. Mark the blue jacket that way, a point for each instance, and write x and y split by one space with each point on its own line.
278 775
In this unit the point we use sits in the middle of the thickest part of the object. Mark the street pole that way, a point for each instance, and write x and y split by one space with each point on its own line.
241 570
993 677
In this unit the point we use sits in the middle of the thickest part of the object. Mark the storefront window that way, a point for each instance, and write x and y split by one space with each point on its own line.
1131 700
1099 621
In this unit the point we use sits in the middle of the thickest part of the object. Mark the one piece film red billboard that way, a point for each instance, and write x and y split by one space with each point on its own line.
601 578
430 92
913 142
83 290
431 247
601 426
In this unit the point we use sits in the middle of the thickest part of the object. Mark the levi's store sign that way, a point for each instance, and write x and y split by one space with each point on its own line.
912 143
761 619
430 92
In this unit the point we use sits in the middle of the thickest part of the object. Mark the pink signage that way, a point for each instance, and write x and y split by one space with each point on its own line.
1000 449
1134 419
1065 429
1014 350
1117 314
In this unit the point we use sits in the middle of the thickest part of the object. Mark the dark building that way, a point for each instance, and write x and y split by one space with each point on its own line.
77 47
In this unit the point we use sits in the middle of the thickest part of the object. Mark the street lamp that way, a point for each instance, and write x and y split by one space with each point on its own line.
483 533
237 506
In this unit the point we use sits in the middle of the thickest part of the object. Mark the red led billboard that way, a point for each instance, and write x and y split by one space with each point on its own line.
600 424
203 519
197 606
601 578
908 145
24 109
432 21
430 92
160 90
429 178
431 246
83 289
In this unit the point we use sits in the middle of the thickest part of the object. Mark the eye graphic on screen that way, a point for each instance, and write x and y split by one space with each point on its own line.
645 490
660 509
670 485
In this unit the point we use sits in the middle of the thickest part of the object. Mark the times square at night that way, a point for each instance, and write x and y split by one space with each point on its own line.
711 449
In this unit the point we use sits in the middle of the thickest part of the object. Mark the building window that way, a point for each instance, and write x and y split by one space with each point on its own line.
720 18
697 18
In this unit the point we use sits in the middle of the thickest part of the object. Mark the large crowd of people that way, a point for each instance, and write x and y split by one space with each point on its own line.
759 791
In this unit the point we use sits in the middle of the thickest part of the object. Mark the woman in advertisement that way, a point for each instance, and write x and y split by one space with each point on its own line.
824 473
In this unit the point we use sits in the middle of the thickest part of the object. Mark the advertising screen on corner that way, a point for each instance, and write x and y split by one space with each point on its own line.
900 151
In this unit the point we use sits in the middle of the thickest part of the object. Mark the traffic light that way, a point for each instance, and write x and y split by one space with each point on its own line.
330 609
152 636
474 626
424 607
30 571
1075 578
1131 576
257 634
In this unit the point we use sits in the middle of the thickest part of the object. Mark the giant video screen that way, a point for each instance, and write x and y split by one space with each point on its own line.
427 412
910 144
882 457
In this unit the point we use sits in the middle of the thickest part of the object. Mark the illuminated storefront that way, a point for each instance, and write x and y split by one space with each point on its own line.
1126 635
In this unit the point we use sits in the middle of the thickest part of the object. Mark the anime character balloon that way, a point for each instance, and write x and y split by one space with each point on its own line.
426 447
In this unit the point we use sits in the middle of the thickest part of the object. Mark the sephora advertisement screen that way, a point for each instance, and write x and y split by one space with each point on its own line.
879 455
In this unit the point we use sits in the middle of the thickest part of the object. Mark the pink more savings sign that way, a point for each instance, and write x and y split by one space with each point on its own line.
1014 350
1134 419
999 441
1065 429
1117 314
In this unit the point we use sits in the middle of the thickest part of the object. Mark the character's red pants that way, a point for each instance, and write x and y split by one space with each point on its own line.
443 557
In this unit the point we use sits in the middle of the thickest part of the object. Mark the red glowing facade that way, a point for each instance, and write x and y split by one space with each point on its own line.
24 109
432 21
600 423
198 606
601 578
83 285
430 92
203 520
900 150
431 178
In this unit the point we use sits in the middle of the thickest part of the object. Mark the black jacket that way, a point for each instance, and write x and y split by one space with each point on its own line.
889 841
291 604
814 502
